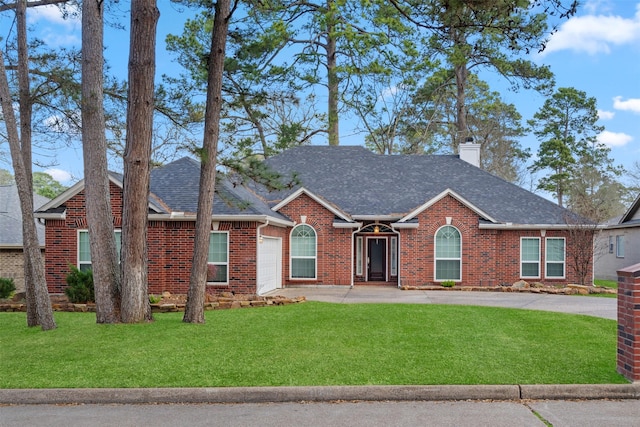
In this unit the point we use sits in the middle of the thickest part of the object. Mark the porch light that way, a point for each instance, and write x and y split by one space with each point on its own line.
376 229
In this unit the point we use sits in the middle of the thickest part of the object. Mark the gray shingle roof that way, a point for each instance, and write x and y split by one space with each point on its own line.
177 185
360 182
11 216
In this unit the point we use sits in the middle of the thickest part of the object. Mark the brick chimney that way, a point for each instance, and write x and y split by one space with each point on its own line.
470 152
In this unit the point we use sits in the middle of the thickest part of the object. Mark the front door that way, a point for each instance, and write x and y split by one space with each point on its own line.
377 252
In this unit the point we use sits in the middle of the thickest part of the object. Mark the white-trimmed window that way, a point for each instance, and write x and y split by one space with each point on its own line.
359 255
530 257
448 254
218 258
555 257
303 252
84 251
394 256
619 246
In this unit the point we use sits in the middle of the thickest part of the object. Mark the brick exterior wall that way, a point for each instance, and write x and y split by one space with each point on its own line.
12 266
489 257
333 258
628 360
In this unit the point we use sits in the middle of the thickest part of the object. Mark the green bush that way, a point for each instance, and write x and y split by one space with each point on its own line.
7 287
80 289
154 299
448 283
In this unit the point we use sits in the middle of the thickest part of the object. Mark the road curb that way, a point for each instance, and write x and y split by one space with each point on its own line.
317 394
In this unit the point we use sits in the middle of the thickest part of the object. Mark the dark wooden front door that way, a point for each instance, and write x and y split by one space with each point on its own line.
377 251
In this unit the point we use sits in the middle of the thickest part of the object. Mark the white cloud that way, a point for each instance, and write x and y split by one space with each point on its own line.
605 115
594 6
50 14
631 104
59 175
53 27
614 139
595 33
55 39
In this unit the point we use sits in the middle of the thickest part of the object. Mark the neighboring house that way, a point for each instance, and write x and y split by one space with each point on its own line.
618 244
354 218
11 254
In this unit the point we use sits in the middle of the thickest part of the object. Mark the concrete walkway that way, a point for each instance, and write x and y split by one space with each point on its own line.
573 304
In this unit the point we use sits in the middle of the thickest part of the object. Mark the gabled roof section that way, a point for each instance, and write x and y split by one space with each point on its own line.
174 194
633 213
447 192
55 206
360 183
11 217
315 197
177 184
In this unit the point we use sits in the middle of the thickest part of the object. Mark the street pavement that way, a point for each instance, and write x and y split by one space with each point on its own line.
371 414
507 405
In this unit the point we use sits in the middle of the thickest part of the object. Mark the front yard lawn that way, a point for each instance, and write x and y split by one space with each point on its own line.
606 283
313 344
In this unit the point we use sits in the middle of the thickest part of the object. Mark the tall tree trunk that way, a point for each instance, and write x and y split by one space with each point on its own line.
461 110
25 108
194 310
137 159
104 261
44 313
333 80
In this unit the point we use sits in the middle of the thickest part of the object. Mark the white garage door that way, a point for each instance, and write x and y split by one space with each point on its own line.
269 264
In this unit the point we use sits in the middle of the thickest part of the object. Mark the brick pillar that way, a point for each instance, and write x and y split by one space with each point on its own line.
629 322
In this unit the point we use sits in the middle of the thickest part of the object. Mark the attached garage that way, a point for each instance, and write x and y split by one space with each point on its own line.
269 264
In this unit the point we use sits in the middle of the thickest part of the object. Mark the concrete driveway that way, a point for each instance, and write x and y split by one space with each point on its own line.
574 304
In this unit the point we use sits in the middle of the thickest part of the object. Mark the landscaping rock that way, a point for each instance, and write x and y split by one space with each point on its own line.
521 284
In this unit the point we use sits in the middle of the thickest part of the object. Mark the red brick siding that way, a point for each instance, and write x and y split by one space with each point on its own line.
489 257
628 354
333 261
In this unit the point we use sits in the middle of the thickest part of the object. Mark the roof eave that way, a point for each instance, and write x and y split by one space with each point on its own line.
181 216
16 246
51 216
511 226
404 225
377 217
337 224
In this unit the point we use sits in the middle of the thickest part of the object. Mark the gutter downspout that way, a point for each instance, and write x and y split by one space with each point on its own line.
258 236
398 254
353 235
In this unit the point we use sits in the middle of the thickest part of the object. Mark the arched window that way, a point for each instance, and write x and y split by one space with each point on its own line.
448 254
303 252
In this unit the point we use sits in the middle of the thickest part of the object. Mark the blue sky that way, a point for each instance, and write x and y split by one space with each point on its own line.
596 51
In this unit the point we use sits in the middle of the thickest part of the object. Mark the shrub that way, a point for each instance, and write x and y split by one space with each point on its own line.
448 283
154 299
6 287
80 289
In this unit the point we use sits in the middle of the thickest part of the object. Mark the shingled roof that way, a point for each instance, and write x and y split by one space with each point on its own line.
174 192
11 217
362 183
355 183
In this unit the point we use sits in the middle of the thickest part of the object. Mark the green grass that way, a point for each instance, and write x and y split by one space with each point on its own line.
606 283
313 344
